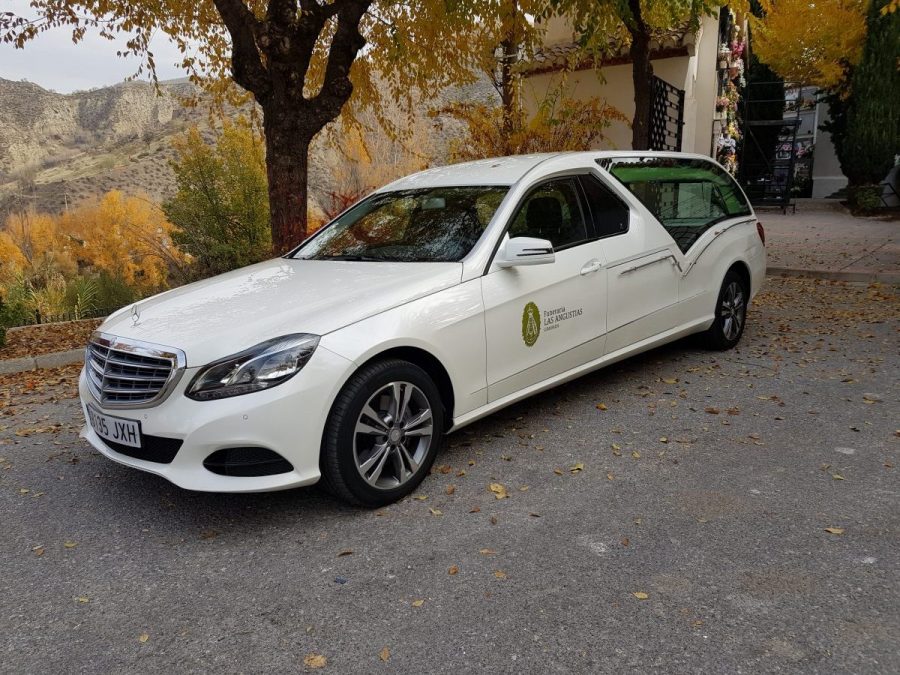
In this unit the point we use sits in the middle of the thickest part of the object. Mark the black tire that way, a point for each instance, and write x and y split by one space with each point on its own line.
341 442
723 334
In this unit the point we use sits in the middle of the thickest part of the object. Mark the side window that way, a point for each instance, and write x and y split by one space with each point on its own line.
609 213
688 196
551 211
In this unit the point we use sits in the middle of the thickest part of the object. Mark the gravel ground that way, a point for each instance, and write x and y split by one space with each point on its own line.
683 528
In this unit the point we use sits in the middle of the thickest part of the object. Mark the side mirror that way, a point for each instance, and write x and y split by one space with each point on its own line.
525 251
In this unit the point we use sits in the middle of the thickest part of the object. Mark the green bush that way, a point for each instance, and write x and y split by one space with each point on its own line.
873 113
14 310
221 208
113 292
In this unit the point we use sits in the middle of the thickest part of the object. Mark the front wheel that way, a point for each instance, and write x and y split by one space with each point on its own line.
382 434
731 313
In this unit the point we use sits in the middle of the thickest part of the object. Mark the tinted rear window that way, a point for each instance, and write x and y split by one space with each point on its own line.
688 196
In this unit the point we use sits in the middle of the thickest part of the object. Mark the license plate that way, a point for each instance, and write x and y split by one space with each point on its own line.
116 429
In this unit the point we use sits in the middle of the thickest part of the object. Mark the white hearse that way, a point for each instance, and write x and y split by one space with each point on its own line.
431 303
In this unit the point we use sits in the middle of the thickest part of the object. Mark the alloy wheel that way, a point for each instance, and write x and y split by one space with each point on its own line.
732 310
393 434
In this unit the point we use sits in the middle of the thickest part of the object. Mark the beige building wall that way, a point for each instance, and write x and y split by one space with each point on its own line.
695 74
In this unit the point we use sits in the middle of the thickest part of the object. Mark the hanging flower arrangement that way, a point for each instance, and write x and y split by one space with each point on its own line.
731 79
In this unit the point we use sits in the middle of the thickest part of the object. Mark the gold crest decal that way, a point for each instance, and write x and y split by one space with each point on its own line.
531 324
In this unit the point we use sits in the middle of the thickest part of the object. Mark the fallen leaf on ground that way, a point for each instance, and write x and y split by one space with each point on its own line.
558 472
143 637
346 551
38 550
712 411
575 468
609 475
601 406
83 599
418 603
453 570
314 661
487 551
837 476
500 574
636 454
70 544
640 595
498 490
384 654
421 498
475 509
450 489
834 530
625 541
436 512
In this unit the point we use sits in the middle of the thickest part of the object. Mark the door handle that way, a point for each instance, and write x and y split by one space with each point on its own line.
591 266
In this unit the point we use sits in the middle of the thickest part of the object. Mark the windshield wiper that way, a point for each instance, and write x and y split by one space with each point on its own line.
350 256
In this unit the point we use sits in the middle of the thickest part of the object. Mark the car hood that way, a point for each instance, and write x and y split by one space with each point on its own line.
214 318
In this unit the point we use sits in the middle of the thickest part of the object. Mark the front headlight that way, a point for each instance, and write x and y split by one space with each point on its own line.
266 365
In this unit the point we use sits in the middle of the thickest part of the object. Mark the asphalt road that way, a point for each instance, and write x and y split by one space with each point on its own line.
707 484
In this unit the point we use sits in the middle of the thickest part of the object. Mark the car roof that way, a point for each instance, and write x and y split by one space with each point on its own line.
510 170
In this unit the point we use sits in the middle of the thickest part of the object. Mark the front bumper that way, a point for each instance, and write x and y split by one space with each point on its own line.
288 419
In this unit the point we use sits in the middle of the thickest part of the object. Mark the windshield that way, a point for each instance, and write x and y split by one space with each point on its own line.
424 225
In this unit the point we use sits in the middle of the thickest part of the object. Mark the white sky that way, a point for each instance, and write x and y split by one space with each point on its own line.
54 62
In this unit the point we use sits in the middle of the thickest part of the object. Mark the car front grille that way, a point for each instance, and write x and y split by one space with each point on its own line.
130 374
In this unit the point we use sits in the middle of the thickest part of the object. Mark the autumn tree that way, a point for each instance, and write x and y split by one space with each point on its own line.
810 43
299 59
561 123
220 211
101 254
598 24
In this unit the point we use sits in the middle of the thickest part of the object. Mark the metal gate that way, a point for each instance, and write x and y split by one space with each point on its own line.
666 116
768 156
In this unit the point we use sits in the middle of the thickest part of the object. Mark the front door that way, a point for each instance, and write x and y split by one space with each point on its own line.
543 320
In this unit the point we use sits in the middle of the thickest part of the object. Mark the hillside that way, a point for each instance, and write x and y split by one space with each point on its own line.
58 149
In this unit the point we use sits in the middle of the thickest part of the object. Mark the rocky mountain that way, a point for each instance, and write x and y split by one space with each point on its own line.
58 149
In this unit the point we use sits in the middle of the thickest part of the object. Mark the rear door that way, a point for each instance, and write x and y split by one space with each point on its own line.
642 267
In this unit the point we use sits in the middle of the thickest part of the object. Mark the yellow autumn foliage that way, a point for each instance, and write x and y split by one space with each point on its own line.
810 43
127 237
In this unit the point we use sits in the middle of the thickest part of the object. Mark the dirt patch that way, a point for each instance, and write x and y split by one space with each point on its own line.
47 338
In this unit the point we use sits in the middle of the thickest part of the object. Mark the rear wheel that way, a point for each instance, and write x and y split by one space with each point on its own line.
382 434
731 313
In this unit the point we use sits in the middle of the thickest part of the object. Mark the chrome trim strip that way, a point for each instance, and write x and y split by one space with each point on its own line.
648 263
105 341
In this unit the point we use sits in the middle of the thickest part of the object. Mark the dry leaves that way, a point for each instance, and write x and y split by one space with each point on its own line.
498 490
500 574
640 595
453 571
384 654
601 406
834 530
418 603
315 661
143 637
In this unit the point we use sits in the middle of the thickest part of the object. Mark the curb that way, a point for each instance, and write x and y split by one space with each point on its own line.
869 277
53 360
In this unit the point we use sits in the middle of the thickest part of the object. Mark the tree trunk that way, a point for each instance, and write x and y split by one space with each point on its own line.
642 77
287 167
509 47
